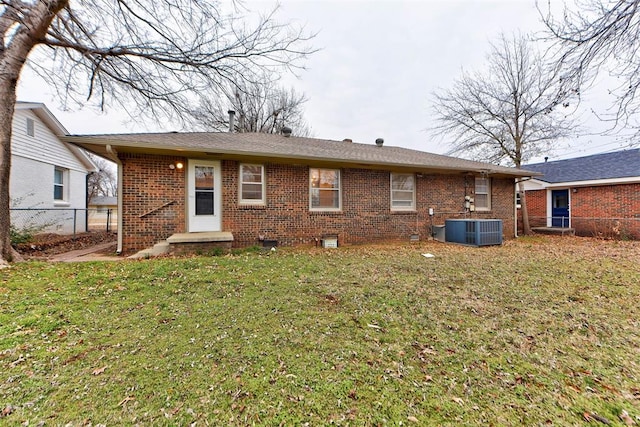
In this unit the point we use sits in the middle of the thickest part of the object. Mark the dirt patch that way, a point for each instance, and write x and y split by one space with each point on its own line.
47 244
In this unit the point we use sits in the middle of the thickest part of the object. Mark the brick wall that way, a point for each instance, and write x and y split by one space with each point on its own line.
537 208
612 204
365 216
153 198
606 201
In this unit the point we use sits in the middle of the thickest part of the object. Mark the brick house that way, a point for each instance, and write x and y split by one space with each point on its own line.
597 195
239 188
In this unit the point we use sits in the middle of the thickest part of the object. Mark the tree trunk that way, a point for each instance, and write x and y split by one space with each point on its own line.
526 227
14 53
7 105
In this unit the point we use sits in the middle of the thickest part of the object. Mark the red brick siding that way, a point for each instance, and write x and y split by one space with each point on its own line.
607 201
610 202
537 208
147 184
365 216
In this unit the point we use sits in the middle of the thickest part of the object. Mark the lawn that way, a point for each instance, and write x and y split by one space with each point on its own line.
538 331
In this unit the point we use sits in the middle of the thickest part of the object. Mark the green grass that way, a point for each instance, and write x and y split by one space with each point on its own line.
538 331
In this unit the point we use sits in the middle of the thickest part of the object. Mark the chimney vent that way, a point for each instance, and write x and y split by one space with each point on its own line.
286 131
232 116
545 159
347 140
379 142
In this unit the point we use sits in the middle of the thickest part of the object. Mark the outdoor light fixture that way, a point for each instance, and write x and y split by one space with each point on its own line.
177 165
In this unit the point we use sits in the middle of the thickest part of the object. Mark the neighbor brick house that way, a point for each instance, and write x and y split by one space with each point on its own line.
597 195
250 186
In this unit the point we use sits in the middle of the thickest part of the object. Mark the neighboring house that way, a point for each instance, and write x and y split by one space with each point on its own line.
47 174
243 187
596 195
103 213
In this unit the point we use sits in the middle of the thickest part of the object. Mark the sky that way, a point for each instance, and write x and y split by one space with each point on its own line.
376 69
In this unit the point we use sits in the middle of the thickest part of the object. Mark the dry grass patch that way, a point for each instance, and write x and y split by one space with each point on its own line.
540 330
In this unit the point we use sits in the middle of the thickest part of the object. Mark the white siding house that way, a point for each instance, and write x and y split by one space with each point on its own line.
46 173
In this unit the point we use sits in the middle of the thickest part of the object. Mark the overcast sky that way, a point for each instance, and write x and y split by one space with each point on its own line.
378 65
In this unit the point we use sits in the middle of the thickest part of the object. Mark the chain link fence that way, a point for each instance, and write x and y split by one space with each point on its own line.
62 220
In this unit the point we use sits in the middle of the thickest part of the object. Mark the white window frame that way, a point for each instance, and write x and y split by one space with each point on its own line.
31 127
412 191
252 202
488 193
62 185
311 191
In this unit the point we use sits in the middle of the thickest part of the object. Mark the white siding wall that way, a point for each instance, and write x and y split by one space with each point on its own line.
43 146
32 172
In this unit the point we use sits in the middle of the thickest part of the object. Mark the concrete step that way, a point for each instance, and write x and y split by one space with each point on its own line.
158 249
201 237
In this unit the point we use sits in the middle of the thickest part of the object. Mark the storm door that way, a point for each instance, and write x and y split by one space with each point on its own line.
204 195
560 208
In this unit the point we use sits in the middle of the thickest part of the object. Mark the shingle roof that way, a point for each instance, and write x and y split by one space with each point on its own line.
281 147
619 164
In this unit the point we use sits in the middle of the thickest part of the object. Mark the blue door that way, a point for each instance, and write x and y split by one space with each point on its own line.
560 208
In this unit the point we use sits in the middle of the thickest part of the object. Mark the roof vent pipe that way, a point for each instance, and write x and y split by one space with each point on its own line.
379 142
286 131
232 116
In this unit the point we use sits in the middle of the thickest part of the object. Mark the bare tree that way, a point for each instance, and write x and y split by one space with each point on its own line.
103 182
145 56
512 112
259 107
599 35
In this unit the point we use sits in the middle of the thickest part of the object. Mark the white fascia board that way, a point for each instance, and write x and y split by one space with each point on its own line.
534 184
590 183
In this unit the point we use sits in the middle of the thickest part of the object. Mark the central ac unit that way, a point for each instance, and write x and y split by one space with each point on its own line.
476 232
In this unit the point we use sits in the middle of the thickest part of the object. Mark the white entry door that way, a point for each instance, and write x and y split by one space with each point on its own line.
205 195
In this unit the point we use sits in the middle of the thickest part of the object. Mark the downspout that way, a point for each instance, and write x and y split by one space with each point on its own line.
515 207
86 201
114 156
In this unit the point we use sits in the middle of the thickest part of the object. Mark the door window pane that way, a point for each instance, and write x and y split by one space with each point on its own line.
204 190
204 203
204 178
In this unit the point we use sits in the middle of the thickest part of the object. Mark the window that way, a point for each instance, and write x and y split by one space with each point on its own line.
252 188
403 192
31 131
324 189
58 184
204 190
483 194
